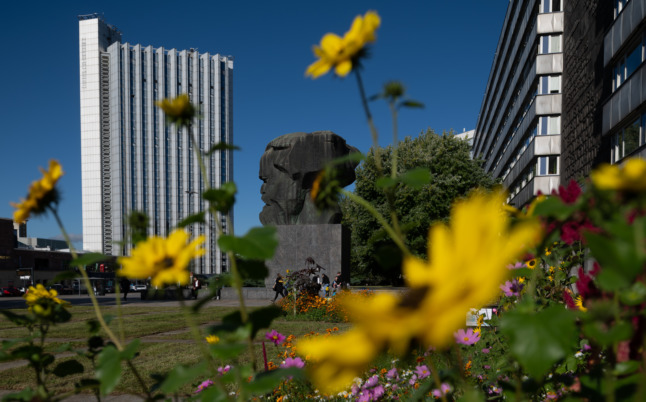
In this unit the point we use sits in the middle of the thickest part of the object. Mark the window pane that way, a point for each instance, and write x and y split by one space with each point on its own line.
553 165
555 43
633 60
555 84
631 138
555 125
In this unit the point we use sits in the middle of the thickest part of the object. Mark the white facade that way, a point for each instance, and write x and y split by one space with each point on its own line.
132 159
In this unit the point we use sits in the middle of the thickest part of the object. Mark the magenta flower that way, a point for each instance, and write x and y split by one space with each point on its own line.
224 370
444 390
392 373
371 382
516 265
378 392
466 337
203 386
276 337
512 288
485 350
422 371
293 362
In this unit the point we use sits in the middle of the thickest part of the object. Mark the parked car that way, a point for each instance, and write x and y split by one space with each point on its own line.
138 287
11 291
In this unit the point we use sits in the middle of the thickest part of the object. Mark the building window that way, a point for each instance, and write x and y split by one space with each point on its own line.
550 6
627 140
628 64
547 165
549 84
549 44
549 125
619 6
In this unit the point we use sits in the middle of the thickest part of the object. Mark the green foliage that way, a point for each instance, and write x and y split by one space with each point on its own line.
433 171
258 244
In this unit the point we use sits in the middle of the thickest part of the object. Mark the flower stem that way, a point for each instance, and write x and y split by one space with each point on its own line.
436 377
88 284
371 124
380 218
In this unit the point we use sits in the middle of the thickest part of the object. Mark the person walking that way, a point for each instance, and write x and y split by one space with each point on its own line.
279 288
125 287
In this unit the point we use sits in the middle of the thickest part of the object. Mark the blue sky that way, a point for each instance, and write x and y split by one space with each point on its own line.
441 50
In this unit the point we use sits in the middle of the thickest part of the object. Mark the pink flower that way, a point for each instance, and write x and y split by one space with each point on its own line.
392 373
512 288
422 371
224 370
293 362
276 337
371 382
466 337
516 265
203 386
569 194
444 389
378 392
485 350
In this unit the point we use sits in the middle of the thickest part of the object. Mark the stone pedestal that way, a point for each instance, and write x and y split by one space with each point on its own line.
327 244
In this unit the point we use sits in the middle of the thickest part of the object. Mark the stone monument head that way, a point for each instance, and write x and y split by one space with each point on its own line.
288 168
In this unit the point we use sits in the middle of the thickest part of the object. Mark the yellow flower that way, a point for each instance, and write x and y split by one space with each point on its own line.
631 176
178 110
41 193
531 264
212 339
548 251
578 301
163 260
40 300
337 360
343 53
521 279
468 262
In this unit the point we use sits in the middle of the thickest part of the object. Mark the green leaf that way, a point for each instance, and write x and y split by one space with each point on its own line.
258 244
68 367
604 336
89 259
108 369
252 269
222 146
628 367
130 351
65 276
259 319
18 319
616 254
265 382
472 395
189 220
412 103
635 295
554 207
223 198
416 178
539 340
612 281
26 394
227 351
182 375
355 157
385 182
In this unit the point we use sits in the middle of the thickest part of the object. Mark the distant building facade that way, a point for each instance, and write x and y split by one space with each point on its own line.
132 159
518 132
566 92
605 84
41 263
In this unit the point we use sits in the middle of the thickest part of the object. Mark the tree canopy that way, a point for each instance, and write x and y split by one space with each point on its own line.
453 174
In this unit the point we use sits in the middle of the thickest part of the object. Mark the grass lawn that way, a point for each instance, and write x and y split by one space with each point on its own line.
166 342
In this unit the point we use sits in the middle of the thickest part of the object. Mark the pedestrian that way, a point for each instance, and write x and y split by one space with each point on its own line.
337 284
326 285
279 287
195 287
125 287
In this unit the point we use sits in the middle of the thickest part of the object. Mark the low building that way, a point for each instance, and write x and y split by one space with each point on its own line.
21 266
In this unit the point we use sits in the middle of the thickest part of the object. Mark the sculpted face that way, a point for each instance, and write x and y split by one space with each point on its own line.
288 168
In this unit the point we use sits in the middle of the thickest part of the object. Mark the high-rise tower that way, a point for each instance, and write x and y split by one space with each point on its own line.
132 159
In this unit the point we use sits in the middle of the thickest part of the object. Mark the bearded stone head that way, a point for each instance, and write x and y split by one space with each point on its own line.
288 168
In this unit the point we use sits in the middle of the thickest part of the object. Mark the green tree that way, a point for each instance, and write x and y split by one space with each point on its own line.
453 174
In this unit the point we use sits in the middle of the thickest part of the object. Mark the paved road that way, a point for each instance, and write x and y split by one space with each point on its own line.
134 299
